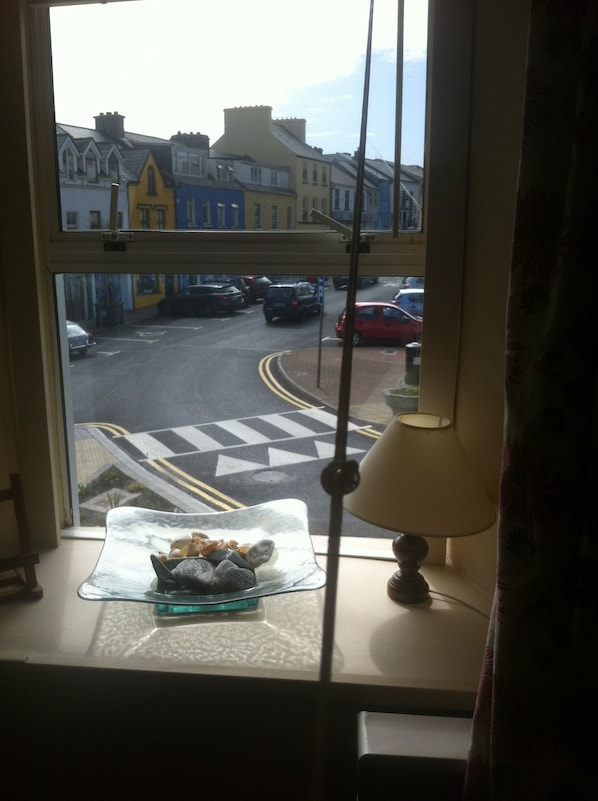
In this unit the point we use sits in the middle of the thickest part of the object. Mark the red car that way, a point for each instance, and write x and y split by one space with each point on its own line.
381 322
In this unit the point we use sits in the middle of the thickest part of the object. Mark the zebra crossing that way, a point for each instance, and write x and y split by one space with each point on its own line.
280 439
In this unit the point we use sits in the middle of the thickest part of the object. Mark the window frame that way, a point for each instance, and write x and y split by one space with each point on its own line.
405 254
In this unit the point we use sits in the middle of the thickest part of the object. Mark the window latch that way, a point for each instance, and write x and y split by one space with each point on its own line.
115 240
347 233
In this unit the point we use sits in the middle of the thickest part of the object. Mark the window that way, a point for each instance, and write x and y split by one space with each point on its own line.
256 175
95 219
147 284
151 181
274 177
160 219
144 217
194 164
113 168
183 251
72 219
91 169
336 199
235 215
190 205
206 214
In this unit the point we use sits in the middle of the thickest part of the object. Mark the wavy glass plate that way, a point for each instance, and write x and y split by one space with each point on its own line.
124 570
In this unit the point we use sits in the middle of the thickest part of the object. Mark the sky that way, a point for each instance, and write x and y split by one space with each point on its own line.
175 65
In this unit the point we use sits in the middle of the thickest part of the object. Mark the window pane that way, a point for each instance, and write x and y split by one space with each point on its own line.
205 400
299 124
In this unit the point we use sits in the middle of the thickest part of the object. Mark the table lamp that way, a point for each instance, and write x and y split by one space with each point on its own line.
417 479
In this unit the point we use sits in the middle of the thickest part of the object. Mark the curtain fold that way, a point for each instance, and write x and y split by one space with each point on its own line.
534 723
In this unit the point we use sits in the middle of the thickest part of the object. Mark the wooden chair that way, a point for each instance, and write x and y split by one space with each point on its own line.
17 572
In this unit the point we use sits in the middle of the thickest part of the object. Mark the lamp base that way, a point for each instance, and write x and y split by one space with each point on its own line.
407 585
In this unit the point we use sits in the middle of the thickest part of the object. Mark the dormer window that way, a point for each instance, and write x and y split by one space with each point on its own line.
70 165
91 169
113 168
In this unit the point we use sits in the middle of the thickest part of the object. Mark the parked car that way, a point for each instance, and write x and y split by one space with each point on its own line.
291 300
241 284
381 322
410 300
258 286
80 340
412 282
201 300
341 281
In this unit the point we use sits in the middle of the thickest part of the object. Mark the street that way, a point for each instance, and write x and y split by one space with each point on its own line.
190 397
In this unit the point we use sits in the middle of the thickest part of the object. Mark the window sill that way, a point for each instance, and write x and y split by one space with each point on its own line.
431 652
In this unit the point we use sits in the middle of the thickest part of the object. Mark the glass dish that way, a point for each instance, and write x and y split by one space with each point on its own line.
124 570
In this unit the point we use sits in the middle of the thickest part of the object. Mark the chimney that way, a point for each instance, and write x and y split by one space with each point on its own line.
295 126
243 118
111 124
197 140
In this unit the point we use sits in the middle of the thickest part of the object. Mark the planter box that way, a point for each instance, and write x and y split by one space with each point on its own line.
401 401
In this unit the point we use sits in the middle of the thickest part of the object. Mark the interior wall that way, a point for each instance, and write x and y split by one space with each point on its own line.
498 75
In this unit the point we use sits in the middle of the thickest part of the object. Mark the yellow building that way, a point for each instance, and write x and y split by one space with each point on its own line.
252 131
151 206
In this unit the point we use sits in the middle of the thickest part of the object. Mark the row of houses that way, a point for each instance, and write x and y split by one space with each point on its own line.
259 175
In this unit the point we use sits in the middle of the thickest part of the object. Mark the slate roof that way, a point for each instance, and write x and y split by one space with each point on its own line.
294 144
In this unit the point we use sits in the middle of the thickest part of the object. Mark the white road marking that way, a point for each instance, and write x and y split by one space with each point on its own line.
149 446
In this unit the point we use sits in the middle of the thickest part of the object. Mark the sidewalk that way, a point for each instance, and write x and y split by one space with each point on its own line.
373 369
309 372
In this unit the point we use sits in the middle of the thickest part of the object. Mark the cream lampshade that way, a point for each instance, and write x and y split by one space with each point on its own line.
417 480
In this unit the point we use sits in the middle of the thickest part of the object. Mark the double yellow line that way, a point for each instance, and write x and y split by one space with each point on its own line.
189 483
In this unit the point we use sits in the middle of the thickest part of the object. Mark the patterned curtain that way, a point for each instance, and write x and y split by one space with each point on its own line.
534 731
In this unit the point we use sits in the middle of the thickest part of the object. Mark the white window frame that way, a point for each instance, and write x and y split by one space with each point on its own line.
170 251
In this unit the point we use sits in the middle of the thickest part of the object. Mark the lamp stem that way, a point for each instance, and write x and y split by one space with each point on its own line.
407 585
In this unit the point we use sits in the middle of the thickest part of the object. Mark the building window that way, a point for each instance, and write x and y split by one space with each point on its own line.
274 216
304 208
144 217
147 284
95 219
257 215
305 172
72 219
160 219
314 174
324 176
256 175
206 217
235 215
151 181
181 162
91 169
194 164
190 206
221 215
336 199
347 200
274 177
113 168
70 165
